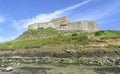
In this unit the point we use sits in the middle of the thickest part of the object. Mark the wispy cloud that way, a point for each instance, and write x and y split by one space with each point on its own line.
2 19
4 39
100 12
47 17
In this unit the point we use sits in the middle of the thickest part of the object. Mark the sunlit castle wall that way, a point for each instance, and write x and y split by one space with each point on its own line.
83 25
63 23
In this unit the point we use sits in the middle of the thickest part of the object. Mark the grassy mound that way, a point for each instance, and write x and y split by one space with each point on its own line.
58 39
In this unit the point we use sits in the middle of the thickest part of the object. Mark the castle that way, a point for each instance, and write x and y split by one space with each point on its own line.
63 23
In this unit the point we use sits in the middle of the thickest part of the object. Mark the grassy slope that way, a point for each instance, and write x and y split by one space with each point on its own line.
58 39
43 33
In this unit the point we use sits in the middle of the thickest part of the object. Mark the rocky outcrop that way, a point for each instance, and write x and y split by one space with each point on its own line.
91 61
63 23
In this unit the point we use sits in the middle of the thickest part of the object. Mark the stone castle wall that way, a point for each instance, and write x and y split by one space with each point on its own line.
83 25
63 23
40 25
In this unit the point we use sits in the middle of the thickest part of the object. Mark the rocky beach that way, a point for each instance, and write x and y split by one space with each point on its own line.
61 69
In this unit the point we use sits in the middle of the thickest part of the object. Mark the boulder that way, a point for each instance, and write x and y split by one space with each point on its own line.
9 69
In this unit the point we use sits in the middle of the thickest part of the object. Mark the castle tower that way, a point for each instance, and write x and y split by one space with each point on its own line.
61 20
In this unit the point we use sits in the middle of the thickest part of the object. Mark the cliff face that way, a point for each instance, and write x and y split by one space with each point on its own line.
63 23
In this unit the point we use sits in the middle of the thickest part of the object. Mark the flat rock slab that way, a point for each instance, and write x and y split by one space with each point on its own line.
70 69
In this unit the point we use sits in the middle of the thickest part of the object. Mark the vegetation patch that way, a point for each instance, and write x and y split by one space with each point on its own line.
78 40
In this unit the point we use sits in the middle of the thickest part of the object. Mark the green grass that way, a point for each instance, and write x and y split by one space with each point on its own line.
43 33
45 41
112 46
108 34
59 39
37 34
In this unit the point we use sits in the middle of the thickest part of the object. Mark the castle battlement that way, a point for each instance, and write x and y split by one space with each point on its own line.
63 23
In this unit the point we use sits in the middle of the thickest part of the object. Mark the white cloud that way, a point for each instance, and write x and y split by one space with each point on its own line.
1 39
46 17
2 19
4 39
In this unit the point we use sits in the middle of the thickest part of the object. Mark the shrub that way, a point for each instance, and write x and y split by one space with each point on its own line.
98 33
112 46
41 28
74 34
80 38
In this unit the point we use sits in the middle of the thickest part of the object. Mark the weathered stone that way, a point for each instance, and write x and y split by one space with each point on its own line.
7 69
63 23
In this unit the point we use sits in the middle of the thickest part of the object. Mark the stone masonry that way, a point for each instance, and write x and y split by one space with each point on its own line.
63 23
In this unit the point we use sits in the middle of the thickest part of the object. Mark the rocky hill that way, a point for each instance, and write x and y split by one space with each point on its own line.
61 47
63 44
58 26
50 38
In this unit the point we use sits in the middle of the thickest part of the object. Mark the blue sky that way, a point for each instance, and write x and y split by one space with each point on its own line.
16 15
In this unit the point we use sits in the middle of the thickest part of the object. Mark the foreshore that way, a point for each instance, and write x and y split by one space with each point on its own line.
82 61
70 69
51 65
